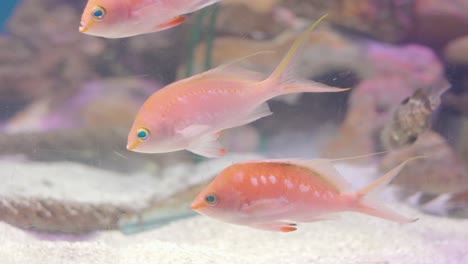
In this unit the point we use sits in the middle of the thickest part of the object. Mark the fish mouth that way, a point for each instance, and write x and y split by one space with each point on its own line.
82 28
133 146
195 206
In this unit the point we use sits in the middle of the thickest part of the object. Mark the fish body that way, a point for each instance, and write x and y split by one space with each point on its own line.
190 114
275 195
126 18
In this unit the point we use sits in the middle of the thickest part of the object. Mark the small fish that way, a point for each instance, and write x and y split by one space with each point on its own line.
412 117
277 194
126 18
191 113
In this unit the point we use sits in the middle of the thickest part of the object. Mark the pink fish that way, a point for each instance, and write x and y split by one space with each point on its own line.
190 114
276 194
125 18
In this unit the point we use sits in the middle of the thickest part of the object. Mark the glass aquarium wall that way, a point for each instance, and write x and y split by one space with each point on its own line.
231 131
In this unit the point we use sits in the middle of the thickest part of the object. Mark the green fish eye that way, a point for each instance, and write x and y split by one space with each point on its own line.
143 134
211 199
98 13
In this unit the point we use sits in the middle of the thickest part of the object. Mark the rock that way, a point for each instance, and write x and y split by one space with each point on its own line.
352 137
68 197
440 171
259 6
437 22
105 103
389 21
252 24
456 52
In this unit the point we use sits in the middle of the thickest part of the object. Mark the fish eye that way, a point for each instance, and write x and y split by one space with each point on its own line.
211 199
143 134
98 13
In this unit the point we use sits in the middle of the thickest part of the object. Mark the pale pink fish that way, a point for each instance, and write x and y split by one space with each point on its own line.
189 114
126 18
277 194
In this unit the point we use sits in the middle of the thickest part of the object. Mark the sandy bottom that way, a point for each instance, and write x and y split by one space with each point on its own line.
353 238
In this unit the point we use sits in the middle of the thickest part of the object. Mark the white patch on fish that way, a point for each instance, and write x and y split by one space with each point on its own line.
254 181
272 179
304 188
288 183
263 179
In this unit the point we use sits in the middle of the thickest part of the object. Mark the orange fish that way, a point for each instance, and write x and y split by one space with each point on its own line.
276 194
190 114
125 18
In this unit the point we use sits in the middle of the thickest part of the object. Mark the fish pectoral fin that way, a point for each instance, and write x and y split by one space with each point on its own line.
261 111
193 130
208 146
276 226
171 23
265 207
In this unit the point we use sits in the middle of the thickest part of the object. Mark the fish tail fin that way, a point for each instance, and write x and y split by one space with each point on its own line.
283 77
368 202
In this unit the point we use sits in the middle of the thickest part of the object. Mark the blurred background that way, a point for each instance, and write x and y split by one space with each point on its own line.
67 101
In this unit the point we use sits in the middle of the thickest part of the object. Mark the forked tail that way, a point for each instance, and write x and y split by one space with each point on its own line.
368 202
284 79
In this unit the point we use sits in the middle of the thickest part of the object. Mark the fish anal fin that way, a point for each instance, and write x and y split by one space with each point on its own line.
328 217
276 226
208 146
171 23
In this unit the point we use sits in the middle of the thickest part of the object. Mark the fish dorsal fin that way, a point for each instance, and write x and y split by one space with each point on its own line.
325 170
230 71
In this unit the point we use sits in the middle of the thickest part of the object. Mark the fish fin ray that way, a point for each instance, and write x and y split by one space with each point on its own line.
368 200
208 146
285 75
